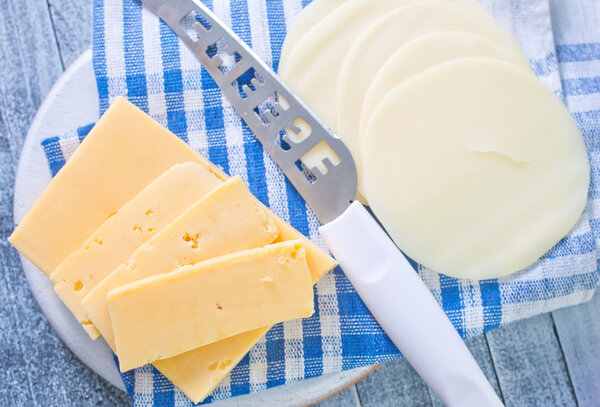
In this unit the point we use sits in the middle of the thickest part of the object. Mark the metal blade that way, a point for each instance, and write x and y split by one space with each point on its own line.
287 129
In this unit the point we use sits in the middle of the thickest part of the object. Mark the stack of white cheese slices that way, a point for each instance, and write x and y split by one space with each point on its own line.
172 262
472 165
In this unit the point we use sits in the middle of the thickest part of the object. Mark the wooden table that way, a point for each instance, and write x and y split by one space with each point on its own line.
549 360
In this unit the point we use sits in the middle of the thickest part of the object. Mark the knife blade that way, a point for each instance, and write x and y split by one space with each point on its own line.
294 136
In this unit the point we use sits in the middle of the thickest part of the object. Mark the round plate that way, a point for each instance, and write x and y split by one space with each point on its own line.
72 102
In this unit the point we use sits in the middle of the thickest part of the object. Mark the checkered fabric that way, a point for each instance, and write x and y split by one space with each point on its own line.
137 56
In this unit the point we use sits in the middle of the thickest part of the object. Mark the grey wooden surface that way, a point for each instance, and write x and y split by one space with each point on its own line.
549 360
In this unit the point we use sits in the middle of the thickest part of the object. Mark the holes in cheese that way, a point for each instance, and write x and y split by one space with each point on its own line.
475 168
228 219
124 152
165 315
121 234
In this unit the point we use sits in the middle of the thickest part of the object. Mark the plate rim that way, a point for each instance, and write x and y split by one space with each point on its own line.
39 289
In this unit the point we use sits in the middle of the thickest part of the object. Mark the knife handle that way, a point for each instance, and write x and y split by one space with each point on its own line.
406 309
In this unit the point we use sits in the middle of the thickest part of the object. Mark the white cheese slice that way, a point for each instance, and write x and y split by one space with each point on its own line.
423 53
392 31
311 68
304 22
475 168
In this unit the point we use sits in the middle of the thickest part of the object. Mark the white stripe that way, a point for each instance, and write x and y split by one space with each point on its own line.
473 307
258 366
143 386
293 350
329 318
291 9
113 39
259 30
584 103
223 390
157 107
581 69
519 311
68 144
180 399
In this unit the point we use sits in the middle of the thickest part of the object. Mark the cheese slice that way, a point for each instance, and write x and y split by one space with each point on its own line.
122 154
388 34
423 53
168 314
135 223
310 15
129 149
226 220
490 185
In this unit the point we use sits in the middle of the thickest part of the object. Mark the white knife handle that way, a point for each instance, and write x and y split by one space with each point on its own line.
406 309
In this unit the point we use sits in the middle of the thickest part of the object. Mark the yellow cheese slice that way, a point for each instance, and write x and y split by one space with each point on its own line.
135 223
165 315
226 220
127 146
124 152
199 371
475 168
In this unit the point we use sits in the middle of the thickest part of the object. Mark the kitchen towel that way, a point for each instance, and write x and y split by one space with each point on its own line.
137 56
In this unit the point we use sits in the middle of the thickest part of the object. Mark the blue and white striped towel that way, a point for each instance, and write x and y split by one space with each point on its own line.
137 56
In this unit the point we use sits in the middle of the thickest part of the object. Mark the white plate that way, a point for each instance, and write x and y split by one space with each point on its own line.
72 102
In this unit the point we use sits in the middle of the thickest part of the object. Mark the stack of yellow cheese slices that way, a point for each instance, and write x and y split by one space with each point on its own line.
171 261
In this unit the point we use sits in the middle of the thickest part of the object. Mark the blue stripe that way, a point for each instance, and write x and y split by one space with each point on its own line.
84 130
573 245
163 393
581 86
240 377
253 150
305 3
547 288
579 52
452 302
312 342
99 55
173 82
544 66
491 302
137 91
54 154
213 119
275 346
276 21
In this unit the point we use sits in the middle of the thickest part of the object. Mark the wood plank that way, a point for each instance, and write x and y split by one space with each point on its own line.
73 27
479 349
36 367
347 398
393 384
397 382
578 330
529 364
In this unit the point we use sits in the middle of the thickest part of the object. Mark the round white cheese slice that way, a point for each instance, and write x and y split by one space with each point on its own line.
311 68
389 33
304 22
425 52
475 168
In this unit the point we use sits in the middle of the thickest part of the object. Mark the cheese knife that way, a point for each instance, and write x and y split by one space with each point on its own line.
321 168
